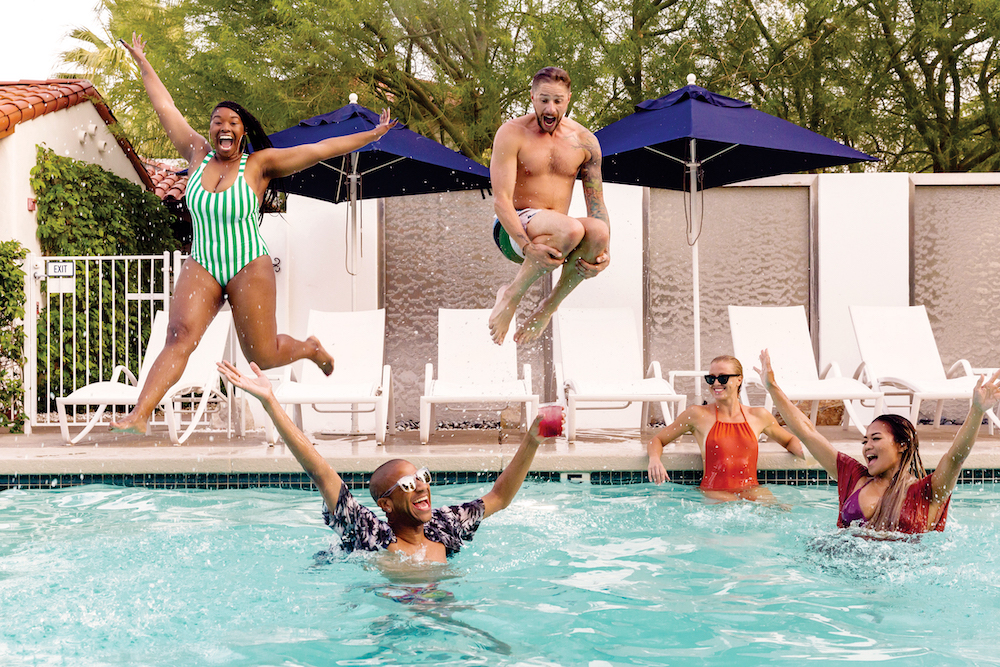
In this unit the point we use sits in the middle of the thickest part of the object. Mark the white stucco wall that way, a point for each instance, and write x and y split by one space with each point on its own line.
60 131
618 286
863 228
309 241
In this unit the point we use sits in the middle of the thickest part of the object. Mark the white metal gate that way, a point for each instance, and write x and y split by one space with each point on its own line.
87 315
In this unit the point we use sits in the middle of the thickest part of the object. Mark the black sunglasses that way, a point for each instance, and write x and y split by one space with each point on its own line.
723 378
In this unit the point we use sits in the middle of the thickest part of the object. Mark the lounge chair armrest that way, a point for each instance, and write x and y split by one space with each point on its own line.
654 371
832 370
960 368
116 375
428 378
861 375
673 375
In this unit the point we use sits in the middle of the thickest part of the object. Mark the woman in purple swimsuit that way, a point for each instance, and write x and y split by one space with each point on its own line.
891 491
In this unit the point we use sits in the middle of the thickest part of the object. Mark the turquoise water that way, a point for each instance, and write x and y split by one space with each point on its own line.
568 575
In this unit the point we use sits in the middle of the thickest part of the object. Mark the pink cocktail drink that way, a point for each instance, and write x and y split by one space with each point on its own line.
552 421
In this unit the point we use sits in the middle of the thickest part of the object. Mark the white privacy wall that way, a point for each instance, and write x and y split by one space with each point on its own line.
863 234
618 286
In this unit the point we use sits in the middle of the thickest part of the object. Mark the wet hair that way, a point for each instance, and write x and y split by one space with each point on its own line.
551 74
886 516
258 140
735 362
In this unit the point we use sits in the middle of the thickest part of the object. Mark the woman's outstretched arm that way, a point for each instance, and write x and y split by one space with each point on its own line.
984 397
191 145
280 162
796 420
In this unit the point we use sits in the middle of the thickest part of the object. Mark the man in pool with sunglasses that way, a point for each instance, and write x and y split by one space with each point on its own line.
727 433
402 491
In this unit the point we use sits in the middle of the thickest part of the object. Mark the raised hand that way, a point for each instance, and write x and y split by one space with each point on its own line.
385 123
137 49
987 392
766 372
258 386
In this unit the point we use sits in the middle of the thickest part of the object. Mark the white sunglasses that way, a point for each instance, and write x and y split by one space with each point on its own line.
409 482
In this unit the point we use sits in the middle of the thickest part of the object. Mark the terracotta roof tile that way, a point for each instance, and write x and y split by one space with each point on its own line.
168 183
21 101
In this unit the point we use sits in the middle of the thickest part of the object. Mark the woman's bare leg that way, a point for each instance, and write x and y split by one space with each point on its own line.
252 294
196 301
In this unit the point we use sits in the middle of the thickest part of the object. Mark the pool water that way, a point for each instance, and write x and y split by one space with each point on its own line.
568 575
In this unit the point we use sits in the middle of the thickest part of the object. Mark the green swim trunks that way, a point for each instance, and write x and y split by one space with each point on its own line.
510 249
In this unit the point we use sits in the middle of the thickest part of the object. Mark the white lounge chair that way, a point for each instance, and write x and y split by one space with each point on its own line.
357 342
473 369
600 361
201 376
900 355
784 331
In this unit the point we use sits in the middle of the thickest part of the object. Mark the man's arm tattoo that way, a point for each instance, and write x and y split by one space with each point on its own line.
593 187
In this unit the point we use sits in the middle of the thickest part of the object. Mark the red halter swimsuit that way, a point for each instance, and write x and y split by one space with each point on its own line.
730 456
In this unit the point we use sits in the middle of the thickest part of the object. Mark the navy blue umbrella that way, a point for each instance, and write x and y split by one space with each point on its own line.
693 139
402 162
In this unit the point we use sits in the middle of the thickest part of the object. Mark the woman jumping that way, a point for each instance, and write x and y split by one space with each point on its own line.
226 196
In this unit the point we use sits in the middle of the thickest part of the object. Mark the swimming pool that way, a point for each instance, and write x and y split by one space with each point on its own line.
568 575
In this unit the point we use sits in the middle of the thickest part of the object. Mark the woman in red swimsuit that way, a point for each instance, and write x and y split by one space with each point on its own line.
727 433
890 491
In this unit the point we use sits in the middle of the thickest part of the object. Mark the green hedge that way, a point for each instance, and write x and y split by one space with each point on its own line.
12 359
85 210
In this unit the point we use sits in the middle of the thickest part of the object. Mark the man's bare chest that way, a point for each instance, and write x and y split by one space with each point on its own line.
557 159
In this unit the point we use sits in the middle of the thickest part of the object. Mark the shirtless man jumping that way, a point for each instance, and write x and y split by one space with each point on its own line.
536 159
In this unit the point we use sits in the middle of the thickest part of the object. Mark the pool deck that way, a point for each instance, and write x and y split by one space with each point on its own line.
43 452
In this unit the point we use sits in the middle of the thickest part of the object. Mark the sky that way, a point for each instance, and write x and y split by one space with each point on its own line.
36 33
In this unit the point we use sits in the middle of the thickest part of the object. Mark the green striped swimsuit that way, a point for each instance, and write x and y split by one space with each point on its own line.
225 224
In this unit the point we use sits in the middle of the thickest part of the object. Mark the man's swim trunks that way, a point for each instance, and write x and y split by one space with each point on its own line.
360 529
510 249
225 224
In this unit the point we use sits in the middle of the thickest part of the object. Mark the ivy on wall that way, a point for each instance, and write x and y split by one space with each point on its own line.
12 360
85 210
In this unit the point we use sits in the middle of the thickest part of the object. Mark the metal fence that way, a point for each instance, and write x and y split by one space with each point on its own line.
83 317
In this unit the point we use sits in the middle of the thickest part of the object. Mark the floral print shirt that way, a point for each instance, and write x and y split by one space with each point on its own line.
360 529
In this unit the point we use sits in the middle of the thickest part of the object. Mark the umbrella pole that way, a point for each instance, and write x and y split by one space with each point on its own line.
694 212
353 179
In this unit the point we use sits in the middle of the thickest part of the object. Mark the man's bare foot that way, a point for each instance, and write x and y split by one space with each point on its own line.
320 356
129 424
533 327
503 312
